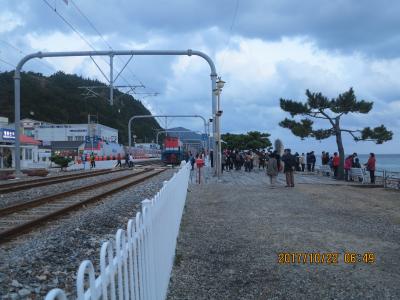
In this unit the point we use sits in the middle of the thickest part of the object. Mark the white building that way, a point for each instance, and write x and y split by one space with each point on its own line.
75 132
29 147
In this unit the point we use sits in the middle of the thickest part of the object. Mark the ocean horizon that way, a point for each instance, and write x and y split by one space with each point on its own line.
388 162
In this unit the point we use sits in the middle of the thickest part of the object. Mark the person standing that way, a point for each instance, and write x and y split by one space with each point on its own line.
348 163
335 164
289 164
130 163
83 158
371 167
119 163
272 170
302 161
92 161
312 161
261 160
308 162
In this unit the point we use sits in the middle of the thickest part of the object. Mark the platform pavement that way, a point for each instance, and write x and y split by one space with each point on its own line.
232 231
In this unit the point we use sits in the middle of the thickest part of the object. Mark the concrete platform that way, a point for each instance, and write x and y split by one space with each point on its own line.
233 231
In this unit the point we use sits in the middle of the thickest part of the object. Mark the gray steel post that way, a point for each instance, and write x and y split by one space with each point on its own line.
17 116
111 80
214 112
17 100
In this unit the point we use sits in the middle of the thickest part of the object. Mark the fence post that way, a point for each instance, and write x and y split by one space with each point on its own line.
141 265
148 222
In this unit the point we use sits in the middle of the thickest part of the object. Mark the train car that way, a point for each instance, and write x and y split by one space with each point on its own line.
173 151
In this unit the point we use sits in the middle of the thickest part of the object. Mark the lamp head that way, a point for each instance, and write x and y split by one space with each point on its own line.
220 83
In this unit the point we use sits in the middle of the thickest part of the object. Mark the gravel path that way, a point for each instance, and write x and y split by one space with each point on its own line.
33 264
231 234
29 194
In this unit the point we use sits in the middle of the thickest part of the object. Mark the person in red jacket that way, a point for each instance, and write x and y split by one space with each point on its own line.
347 167
371 166
335 164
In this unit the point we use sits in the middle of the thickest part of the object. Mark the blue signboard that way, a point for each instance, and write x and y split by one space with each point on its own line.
8 134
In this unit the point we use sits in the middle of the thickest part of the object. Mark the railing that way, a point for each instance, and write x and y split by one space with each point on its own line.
139 263
391 179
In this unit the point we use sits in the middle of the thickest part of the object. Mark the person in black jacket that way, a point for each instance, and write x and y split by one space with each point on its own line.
312 160
290 163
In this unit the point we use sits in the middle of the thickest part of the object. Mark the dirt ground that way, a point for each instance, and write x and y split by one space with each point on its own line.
233 232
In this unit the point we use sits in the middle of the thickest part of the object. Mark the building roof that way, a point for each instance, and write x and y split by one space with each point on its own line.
24 139
66 144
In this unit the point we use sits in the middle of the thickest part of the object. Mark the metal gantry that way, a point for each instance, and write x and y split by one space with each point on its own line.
111 54
177 131
160 116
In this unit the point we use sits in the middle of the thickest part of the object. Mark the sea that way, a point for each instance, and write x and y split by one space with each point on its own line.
388 162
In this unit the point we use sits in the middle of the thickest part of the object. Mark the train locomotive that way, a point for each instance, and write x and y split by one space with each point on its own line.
172 153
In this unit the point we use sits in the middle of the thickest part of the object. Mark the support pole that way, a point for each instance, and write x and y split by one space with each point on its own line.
214 112
111 79
17 116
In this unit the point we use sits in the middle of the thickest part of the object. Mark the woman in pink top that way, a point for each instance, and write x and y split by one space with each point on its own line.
347 167
371 166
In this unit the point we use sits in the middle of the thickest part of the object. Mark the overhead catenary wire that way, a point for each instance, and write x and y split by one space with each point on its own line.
6 62
230 33
82 37
104 40
24 53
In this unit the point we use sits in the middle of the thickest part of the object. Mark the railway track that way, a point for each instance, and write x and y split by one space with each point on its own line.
23 185
20 218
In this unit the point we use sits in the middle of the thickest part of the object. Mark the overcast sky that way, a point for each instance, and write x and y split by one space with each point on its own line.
264 50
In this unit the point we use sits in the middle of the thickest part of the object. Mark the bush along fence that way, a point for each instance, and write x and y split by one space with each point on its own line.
138 264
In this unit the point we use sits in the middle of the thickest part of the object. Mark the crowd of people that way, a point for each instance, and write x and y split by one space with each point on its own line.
288 163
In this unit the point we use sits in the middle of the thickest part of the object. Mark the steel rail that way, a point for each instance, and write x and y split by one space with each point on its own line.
23 185
23 227
19 186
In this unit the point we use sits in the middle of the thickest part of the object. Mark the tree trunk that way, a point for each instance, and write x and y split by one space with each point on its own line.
339 143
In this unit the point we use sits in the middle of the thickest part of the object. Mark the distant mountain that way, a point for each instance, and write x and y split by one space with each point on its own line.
57 99
186 135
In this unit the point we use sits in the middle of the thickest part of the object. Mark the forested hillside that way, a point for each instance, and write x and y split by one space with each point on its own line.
57 99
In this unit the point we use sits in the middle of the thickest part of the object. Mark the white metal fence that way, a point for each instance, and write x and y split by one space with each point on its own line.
139 263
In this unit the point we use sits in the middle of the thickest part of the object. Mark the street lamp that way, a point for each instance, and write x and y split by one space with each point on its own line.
220 84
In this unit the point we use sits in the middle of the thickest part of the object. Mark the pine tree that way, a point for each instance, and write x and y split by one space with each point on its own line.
320 107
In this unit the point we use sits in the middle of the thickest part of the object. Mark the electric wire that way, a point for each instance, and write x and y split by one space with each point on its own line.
8 63
48 66
77 32
230 33
104 40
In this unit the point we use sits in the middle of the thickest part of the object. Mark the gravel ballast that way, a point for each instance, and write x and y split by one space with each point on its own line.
50 256
41 191
231 234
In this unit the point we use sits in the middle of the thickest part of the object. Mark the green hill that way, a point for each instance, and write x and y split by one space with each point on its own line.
57 99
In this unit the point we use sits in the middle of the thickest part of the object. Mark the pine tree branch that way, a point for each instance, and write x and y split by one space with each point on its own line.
327 117
314 115
351 132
